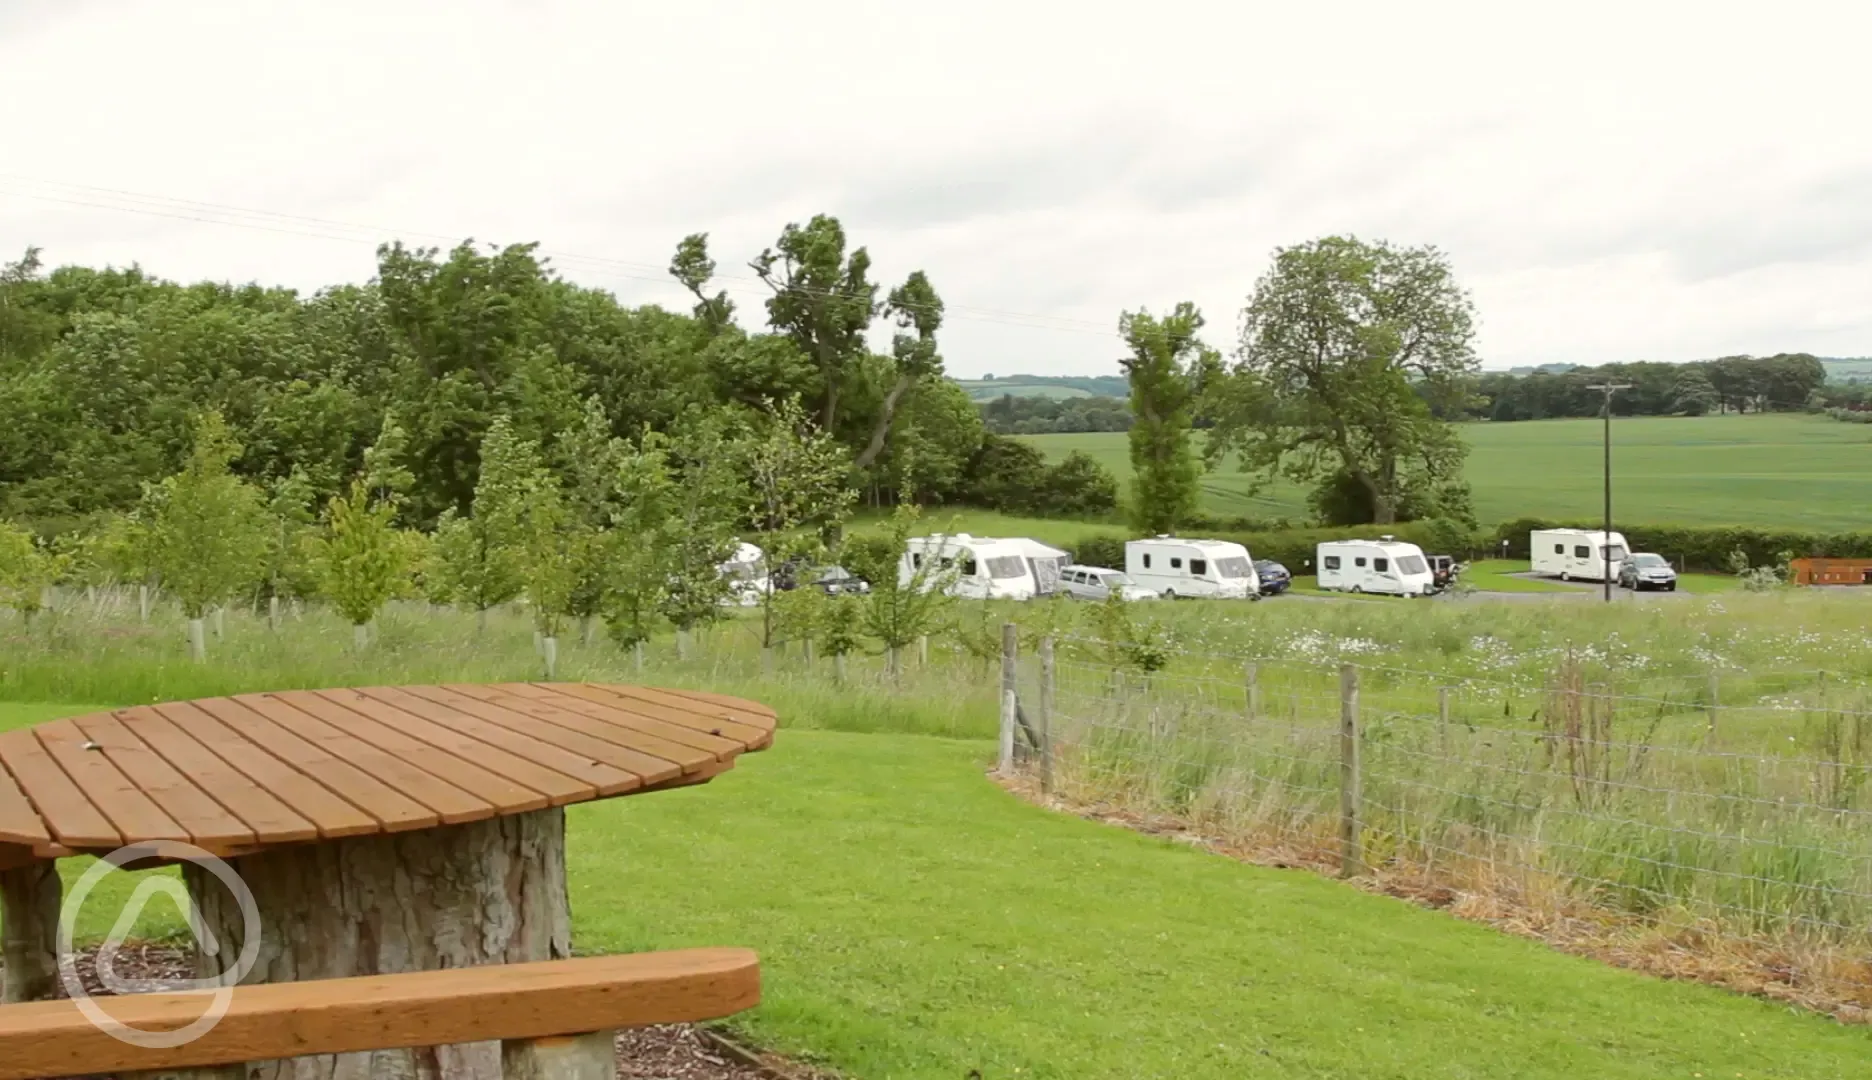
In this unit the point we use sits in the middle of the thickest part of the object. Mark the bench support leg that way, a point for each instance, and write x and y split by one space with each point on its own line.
29 906
573 1057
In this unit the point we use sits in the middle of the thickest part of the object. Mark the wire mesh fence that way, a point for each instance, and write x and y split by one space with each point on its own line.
1748 809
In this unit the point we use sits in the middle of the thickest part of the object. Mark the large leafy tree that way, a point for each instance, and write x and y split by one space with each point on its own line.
1347 350
1166 361
478 556
797 492
208 528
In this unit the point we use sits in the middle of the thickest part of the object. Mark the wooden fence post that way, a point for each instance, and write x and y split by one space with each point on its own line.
143 602
1351 860
1046 715
923 650
1010 703
1442 718
1252 685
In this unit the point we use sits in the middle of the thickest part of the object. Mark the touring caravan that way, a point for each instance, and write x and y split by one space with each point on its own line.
1045 562
1385 566
975 567
747 576
1577 554
1173 567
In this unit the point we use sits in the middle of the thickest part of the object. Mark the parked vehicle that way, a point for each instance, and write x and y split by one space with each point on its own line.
1387 566
1647 571
976 567
1577 554
747 575
1045 561
1174 567
1444 570
1272 576
831 580
1099 583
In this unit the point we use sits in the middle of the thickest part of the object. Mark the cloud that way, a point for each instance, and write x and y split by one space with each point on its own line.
1680 187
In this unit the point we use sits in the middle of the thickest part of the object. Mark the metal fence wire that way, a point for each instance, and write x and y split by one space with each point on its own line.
1752 812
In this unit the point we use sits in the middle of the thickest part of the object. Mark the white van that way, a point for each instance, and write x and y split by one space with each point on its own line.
1386 566
976 567
1173 567
1045 561
1577 554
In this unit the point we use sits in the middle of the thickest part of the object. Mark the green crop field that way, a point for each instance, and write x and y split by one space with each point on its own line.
1791 471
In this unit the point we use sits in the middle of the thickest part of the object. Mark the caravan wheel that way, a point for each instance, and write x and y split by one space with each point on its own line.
1357 589
1169 594
1564 576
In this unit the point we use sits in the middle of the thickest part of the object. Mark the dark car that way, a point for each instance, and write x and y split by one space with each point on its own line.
833 580
1274 577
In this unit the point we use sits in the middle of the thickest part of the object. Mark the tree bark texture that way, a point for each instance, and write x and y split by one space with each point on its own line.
487 892
29 906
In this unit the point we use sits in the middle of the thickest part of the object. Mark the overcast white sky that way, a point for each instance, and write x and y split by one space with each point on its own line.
1647 180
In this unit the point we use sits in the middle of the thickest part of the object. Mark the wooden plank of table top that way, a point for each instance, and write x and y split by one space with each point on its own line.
607 725
753 708
209 824
67 813
527 743
660 720
502 794
573 732
555 787
132 812
414 773
19 822
664 705
271 818
380 1012
332 795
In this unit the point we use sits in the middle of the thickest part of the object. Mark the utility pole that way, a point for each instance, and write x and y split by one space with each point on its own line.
1605 539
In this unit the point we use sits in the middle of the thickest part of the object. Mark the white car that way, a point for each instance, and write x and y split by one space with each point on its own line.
1098 583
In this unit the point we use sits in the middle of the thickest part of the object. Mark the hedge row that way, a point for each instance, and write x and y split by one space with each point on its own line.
1695 548
1705 547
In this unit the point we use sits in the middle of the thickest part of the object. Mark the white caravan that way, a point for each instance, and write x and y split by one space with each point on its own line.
976 567
1045 562
1173 567
1386 566
1577 554
747 576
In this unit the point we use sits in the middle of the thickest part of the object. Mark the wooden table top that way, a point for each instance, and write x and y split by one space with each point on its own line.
237 774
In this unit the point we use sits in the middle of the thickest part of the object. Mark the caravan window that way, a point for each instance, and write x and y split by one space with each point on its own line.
1360 561
1176 564
1198 567
1332 562
1147 562
1559 549
1615 553
1381 565
1411 564
1581 551
968 566
1005 567
1232 567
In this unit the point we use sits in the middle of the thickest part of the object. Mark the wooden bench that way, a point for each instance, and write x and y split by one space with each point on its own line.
554 1019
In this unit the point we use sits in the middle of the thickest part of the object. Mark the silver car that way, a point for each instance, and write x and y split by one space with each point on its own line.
1099 583
1647 571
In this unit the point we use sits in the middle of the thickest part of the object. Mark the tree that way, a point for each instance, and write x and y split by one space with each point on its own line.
1347 349
698 536
900 608
693 268
556 550
27 570
362 560
636 550
477 557
1692 394
290 519
208 528
1166 360
915 306
797 492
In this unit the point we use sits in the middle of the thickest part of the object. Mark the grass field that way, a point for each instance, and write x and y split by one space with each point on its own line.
1790 471
915 922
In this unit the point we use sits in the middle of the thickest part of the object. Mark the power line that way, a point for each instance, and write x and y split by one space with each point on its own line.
211 213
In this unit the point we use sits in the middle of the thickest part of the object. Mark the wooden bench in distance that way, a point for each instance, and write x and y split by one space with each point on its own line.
554 1018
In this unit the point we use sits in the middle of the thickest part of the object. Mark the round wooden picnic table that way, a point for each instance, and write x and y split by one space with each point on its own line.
378 829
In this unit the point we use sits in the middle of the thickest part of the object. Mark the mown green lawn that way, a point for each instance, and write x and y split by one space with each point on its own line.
1781 471
915 921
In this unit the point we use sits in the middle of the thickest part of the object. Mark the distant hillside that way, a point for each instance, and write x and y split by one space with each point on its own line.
1049 386
1842 368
